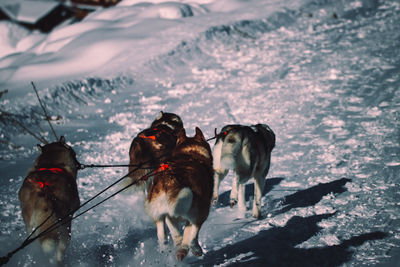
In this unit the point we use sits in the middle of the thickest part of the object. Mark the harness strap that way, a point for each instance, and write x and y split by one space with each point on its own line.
44 184
153 137
53 170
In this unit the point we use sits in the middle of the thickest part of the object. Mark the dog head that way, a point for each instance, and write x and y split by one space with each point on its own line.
229 133
58 154
173 121
196 146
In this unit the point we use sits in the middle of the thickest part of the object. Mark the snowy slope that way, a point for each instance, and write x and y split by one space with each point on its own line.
323 74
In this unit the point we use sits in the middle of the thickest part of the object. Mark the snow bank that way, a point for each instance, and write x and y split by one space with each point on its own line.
10 35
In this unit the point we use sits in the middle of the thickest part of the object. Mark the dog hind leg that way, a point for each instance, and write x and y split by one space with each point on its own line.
259 182
241 199
190 241
218 177
160 232
62 246
234 192
173 226
64 239
48 246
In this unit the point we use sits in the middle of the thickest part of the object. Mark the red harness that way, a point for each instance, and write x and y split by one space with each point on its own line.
162 167
153 137
43 184
53 170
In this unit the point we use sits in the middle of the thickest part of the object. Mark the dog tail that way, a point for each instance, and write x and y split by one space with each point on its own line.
268 135
137 182
176 206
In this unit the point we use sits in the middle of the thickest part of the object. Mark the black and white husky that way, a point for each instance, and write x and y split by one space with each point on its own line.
247 151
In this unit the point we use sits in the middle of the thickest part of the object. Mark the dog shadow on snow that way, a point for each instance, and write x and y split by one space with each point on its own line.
303 198
311 196
277 246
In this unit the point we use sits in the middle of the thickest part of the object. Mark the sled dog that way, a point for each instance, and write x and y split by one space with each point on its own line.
247 151
49 193
182 193
152 146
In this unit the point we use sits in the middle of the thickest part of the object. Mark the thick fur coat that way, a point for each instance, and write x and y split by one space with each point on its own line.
49 193
246 150
182 193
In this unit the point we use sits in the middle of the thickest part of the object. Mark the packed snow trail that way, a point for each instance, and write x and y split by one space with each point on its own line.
316 75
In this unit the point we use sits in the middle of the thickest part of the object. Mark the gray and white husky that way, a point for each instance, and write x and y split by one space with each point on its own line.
247 151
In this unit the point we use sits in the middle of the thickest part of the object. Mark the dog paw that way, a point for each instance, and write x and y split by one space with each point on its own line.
214 201
232 202
257 214
181 253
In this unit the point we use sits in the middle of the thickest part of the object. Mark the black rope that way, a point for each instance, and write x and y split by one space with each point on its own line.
84 166
65 219
45 112
217 135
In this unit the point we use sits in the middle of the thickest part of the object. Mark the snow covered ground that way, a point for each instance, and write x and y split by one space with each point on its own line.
324 74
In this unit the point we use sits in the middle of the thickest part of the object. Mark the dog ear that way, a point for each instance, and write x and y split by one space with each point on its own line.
159 116
199 135
40 148
62 139
181 136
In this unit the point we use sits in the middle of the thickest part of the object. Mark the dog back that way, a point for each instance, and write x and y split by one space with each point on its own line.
152 146
149 148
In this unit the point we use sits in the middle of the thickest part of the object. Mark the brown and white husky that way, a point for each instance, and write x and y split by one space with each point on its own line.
247 151
152 146
49 193
182 193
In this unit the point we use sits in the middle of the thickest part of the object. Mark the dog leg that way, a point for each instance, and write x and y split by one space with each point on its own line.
234 192
173 226
259 182
241 198
160 233
64 239
190 241
194 244
183 248
218 177
62 246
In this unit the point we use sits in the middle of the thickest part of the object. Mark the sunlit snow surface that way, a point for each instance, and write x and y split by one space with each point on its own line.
323 74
